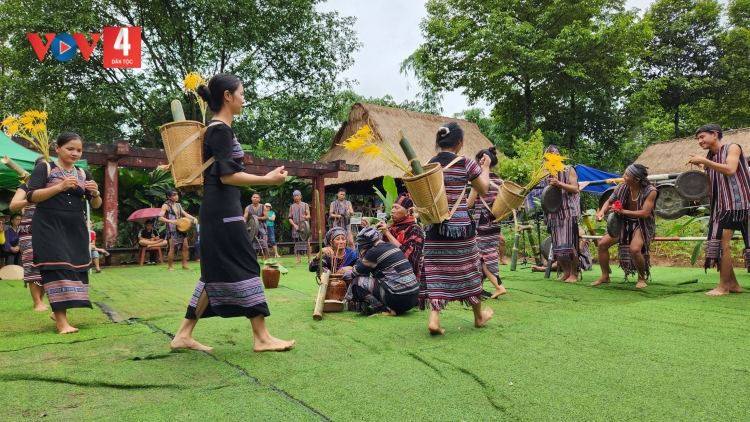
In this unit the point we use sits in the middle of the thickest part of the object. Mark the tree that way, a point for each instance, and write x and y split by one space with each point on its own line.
678 60
287 54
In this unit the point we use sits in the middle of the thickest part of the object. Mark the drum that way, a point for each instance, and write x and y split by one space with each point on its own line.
551 199
546 247
334 301
693 185
614 225
184 224
252 226
670 205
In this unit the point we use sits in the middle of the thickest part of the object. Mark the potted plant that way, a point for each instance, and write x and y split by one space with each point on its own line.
272 270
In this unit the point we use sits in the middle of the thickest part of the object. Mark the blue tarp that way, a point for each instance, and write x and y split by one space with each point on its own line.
587 174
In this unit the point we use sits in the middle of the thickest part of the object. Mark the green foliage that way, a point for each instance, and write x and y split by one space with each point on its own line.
391 192
527 159
273 263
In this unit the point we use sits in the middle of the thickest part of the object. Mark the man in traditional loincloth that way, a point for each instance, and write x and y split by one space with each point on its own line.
171 211
637 196
299 212
728 172
563 225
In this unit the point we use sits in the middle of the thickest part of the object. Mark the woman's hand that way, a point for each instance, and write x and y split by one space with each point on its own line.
553 181
328 251
91 186
277 176
484 162
68 183
344 270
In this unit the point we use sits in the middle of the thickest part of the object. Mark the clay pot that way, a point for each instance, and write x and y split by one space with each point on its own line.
270 277
336 288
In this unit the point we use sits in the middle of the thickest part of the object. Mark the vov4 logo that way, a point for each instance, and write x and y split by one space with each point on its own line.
122 46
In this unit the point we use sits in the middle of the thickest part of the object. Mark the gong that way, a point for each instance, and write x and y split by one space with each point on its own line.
304 231
670 205
614 225
551 199
546 247
605 196
252 226
692 185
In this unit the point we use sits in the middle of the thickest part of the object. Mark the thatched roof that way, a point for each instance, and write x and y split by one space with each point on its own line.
386 122
670 156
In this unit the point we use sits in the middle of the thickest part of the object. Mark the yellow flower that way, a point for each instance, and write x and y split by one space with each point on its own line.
8 121
39 128
553 162
12 129
372 151
25 119
28 126
353 143
192 80
43 115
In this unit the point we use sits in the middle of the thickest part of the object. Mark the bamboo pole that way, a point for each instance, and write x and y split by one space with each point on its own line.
15 167
321 298
177 114
416 166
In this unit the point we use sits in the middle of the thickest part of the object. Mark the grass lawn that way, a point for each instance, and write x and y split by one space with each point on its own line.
553 351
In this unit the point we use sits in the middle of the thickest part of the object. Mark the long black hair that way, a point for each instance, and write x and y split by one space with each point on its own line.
213 94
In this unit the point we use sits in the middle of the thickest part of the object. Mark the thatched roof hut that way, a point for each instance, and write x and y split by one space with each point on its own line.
670 156
386 122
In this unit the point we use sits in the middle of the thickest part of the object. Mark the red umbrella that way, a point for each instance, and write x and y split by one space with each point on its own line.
141 216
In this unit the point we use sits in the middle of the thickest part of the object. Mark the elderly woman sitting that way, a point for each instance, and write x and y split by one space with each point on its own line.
337 257
383 279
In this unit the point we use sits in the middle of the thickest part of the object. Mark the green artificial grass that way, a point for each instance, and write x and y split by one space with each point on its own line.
553 351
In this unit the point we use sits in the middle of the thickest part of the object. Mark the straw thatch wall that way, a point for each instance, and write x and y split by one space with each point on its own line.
671 156
386 122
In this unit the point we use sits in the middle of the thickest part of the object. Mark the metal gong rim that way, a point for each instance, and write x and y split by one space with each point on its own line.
546 246
252 226
304 231
692 185
670 205
605 196
551 199
614 225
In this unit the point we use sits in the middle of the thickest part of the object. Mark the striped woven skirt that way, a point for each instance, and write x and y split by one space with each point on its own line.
488 240
564 233
452 270
629 226
30 273
300 246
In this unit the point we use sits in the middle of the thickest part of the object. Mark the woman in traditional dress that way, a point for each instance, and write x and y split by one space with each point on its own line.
383 280
31 275
337 256
404 232
488 232
230 283
60 236
451 257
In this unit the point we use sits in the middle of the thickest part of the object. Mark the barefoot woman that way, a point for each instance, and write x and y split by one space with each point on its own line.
451 258
730 200
60 236
230 276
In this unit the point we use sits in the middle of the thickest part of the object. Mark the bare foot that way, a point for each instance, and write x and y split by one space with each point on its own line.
41 306
602 280
184 267
52 316
299 261
389 313
572 279
170 269
188 343
67 329
503 263
272 344
719 291
641 284
499 292
561 278
735 288
487 314
436 329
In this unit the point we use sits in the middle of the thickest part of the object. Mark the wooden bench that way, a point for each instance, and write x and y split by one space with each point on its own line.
121 256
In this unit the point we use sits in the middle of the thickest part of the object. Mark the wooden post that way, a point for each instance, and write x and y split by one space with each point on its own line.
321 211
110 205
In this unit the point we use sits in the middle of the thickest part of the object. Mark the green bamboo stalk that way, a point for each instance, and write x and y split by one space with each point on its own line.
416 166
177 114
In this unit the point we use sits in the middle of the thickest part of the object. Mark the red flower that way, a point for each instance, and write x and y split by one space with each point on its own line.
617 205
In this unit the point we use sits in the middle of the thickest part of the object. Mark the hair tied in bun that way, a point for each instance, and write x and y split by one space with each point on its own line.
444 131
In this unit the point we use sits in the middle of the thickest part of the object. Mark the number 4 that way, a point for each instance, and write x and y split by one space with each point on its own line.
121 43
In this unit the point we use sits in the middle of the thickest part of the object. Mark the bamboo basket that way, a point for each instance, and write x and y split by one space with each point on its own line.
183 143
428 193
509 198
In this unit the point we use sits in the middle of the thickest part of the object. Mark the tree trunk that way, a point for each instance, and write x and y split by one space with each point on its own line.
677 122
527 105
573 134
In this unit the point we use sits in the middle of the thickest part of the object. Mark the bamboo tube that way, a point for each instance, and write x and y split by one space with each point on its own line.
416 166
14 166
321 298
177 114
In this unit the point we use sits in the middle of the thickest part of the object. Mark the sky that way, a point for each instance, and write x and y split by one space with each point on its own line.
389 31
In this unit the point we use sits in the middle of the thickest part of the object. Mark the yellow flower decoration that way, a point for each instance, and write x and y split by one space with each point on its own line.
32 126
192 80
8 121
25 119
353 143
372 151
553 162
12 129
